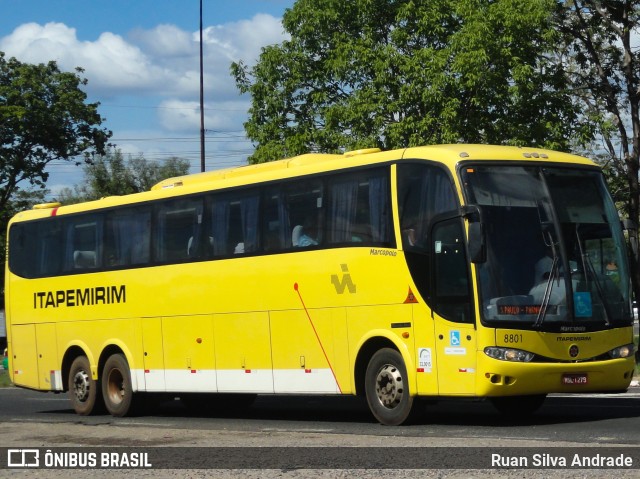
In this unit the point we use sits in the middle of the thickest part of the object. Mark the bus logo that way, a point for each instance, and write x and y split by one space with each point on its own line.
345 282
23 458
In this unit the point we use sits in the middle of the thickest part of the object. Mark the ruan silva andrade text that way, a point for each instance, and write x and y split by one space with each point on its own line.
546 460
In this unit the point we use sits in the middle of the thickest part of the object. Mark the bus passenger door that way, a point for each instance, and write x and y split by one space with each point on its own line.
452 310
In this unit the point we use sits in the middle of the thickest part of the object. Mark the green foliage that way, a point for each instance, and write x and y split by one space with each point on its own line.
43 117
396 73
5 380
111 175
596 50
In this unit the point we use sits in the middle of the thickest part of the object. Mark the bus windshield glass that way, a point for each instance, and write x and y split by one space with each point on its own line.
555 257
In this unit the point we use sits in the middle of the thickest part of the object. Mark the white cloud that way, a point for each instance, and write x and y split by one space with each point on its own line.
245 38
164 41
163 60
184 116
110 62
163 65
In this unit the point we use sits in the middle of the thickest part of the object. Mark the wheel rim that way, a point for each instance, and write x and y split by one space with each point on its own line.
389 388
115 386
81 385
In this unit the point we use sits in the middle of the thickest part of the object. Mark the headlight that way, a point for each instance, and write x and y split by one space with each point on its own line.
622 351
508 354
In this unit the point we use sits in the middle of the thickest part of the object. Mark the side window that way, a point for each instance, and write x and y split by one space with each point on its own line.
304 203
22 244
276 232
83 242
127 237
36 249
424 191
178 229
451 298
360 210
235 223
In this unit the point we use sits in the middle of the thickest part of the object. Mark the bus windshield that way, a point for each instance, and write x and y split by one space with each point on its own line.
555 252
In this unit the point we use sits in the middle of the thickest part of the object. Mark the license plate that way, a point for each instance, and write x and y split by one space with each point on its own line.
575 379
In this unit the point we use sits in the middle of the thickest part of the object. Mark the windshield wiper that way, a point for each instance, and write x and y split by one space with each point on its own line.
553 275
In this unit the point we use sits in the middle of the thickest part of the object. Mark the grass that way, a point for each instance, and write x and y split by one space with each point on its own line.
4 379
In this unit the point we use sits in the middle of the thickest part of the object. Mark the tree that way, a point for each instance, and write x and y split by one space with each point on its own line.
43 117
603 68
110 175
397 73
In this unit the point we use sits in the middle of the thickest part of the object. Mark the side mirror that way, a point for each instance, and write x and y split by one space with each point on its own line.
476 246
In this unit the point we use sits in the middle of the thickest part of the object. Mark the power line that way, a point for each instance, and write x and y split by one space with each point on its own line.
142 107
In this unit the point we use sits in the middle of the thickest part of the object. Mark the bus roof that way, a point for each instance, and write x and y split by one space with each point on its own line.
449 155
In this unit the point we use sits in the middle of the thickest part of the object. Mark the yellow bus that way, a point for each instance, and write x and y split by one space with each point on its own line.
442 271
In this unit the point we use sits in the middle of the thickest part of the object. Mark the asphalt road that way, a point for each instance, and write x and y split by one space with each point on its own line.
325 437
580 419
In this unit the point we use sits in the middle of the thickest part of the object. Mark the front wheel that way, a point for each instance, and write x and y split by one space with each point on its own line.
83 389
387 389
116 386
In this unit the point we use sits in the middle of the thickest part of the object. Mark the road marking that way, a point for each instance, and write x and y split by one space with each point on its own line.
597 396
277 429
49 399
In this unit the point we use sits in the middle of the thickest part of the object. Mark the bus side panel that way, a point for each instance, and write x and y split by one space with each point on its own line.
456 354
153 357
189 353
48 364
243 352
24 356
310 353
392 320
95 336
426 358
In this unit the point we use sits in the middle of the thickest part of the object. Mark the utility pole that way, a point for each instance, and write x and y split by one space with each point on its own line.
201 98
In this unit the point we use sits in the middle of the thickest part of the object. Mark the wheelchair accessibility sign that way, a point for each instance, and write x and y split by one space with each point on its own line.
455 345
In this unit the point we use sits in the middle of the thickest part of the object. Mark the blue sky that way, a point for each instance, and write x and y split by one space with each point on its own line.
141 60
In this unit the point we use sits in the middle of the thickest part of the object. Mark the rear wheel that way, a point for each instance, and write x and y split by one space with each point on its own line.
83 389
116 386
387 389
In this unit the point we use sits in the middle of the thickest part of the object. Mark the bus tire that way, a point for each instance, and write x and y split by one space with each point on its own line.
116 386
387 389
518 405
83 389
